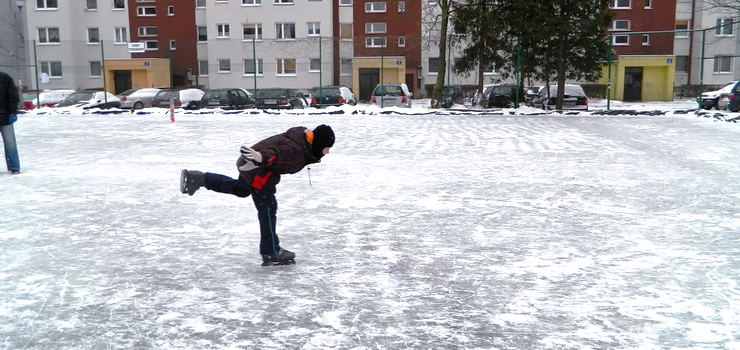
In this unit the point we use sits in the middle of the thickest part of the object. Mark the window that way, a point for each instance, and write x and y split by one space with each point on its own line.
345 2
620 25
173 45
251 2
147 31
620 4
345 67
119 4
121 35
433 65
203 67
401 41
648 4
402 6
314 65
375 41
146 11
724 27
91 4
151 45
202 34
645 40
48 35
223 31
46 5
373 28
314 28
93 35
96 69
200 4
170 10
620 40
224 65
52 68
375 6
682 28
681 65
249 67
722 64
283 2
252 31
345 31
285 31
286 66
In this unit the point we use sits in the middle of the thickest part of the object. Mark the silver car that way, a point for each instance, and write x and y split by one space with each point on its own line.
139 99
391 95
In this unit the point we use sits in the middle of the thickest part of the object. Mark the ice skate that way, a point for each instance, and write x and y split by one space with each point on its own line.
191 181
282 257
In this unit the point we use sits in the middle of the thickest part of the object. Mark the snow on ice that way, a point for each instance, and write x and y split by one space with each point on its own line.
423 229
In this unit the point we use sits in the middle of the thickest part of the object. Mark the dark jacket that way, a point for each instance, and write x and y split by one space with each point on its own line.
9 99
285 153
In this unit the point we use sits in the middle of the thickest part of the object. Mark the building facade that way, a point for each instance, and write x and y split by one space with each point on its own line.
307 43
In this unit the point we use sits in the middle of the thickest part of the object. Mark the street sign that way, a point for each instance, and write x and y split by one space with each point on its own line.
136 48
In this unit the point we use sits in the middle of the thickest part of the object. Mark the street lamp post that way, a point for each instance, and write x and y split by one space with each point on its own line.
19 40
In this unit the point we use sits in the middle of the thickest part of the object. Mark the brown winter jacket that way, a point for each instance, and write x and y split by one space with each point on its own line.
285 153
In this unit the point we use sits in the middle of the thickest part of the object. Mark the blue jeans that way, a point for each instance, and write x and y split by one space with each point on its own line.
264 201
11 147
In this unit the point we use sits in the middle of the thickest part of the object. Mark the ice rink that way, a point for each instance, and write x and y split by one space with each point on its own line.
416 232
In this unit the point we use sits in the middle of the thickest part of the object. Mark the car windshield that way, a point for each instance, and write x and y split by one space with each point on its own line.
270 93
502 90
388 90
215 94
327 91
81 96
164 95
29 96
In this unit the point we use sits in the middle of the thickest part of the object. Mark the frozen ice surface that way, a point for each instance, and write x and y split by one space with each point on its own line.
417 232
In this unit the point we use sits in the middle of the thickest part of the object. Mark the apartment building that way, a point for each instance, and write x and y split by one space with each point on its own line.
644 63
710 31
307 43
13 53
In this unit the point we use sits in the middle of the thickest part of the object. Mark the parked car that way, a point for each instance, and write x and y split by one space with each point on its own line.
734 98
226 98
46 98
277 98
90 99
502 96
451 94
332 96
574 98
391 95
139 99
711 99
530 92
184 98
126 93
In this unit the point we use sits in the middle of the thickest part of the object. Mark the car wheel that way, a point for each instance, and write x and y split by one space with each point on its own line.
138 105
734 107
716 104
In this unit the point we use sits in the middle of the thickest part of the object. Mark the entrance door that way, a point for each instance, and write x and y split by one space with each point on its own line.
632 84
369 78
122 80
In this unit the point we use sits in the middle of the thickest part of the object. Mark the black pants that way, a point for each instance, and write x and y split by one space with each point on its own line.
264 201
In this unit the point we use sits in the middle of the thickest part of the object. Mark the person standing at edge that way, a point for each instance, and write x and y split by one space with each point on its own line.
260 167
9 101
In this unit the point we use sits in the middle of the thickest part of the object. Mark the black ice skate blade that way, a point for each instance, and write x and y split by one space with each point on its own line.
279 263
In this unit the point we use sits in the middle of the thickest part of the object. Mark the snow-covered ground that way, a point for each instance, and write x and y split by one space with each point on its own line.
421 230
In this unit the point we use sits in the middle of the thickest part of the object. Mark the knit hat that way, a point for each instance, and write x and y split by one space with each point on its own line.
323 136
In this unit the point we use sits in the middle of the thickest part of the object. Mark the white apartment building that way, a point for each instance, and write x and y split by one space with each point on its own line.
720 46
